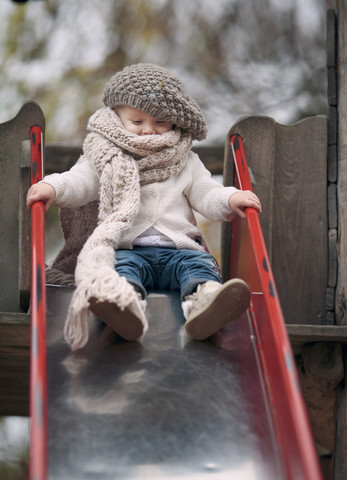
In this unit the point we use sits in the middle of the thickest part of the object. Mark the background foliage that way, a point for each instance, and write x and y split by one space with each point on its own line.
236 57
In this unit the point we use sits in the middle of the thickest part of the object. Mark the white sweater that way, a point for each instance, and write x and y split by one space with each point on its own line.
167 207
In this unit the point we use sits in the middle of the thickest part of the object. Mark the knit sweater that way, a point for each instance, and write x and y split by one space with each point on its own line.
166 206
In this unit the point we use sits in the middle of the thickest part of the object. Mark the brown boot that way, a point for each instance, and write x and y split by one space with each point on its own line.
130 323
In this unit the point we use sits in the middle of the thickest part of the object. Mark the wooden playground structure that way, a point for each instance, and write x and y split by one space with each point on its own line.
300 174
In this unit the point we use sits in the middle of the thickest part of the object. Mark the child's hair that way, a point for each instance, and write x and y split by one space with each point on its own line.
159 93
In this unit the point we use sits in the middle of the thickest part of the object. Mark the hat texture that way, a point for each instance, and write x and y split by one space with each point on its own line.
159 93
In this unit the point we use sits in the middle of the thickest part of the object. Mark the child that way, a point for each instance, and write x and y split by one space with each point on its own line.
137 161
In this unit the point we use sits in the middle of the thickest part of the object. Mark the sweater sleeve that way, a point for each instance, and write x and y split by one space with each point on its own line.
206 195
76 187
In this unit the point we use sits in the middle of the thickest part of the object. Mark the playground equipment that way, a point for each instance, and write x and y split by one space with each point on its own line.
229 380
167 406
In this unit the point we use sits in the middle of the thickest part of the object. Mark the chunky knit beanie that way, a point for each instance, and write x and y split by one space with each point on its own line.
159 93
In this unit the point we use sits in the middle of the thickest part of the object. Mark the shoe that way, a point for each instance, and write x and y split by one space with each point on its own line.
130 323
213 306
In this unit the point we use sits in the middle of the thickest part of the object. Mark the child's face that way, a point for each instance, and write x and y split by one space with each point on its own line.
140 123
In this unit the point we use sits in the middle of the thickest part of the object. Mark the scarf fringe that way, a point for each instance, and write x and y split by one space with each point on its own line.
76 329
106 286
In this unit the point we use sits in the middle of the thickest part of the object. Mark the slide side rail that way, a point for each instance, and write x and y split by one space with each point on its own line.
38 377
249 260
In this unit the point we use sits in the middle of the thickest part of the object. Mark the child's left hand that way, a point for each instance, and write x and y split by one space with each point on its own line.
243 199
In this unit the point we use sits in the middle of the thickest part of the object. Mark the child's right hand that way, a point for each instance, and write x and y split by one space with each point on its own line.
41 192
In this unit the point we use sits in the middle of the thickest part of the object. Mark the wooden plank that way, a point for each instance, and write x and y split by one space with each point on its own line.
15 260
332 87
332 205
14 318
330 318
13 336
321 370
330 298
212 158
225 233
14 363
289 164
59 158
340 453
332 130
259 140
300 220
332 163
301 334
332 258
14 380
331 38
341 287
24 228
13 250
331 47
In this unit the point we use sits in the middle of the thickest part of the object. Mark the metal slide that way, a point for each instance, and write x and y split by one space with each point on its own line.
167 407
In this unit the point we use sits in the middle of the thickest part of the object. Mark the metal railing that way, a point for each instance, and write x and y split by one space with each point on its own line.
38 367
249 260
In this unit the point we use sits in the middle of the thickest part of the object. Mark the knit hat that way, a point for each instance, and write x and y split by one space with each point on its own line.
159 93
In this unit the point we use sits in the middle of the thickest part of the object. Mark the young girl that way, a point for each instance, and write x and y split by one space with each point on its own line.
137 162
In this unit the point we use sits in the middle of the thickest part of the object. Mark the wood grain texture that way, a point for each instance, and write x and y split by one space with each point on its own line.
332 163
14 248
341 288
60 158
340 453
289 164
331 38
301 334
24 228
321 371
15 259
14 363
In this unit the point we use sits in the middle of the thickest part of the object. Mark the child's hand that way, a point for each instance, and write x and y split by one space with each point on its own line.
41 192
243 199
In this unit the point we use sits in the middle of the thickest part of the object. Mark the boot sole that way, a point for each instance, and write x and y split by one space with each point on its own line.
225 306
124 322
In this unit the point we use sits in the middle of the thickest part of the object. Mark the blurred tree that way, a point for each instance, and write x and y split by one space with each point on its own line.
236 57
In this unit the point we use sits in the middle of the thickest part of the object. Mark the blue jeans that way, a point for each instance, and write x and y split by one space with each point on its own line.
159 268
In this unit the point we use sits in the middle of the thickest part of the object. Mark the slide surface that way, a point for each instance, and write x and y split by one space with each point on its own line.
163 407
167 406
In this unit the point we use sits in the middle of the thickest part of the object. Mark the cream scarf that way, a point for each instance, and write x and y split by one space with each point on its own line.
124 162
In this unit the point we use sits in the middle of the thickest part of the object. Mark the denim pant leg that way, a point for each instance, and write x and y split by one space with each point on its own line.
135 266
186 269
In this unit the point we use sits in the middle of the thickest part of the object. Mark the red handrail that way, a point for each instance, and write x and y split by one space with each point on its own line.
38 378
249 259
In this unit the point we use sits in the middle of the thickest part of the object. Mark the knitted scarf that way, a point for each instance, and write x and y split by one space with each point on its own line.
124 162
